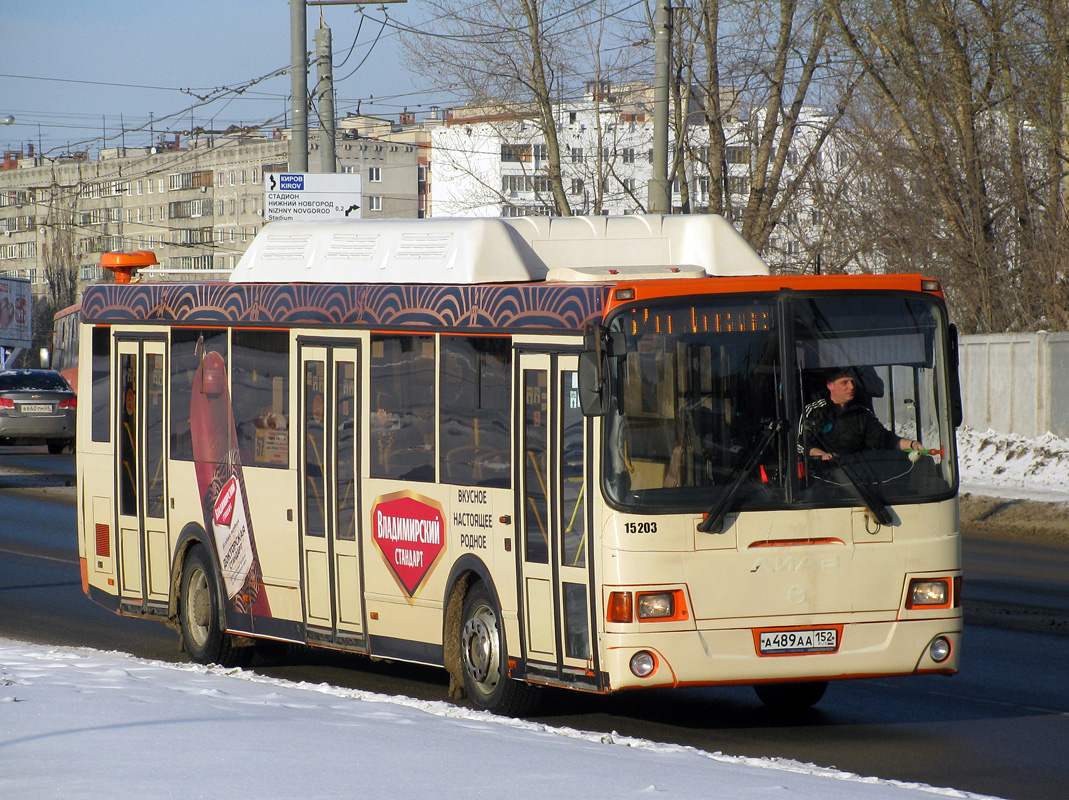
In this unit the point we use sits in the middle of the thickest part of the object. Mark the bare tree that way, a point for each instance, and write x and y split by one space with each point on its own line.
509 54
967 150
760 70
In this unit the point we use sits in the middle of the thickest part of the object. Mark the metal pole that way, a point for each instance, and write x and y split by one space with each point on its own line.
298 161
325 98
659 194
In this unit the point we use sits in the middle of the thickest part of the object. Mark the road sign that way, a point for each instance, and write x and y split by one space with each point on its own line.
311 196
16 323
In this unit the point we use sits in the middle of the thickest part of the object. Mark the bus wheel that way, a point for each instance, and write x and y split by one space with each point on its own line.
482 658
199 612
791 696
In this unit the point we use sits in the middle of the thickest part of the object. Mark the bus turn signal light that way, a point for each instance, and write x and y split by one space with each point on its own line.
619 607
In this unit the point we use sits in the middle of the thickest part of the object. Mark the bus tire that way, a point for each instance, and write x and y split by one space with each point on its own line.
200 612
791 696
483 659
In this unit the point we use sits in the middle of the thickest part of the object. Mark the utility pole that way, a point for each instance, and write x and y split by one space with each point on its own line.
298 161
298 156
659 196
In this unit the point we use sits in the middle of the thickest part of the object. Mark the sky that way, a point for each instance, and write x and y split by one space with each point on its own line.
71 71
76 722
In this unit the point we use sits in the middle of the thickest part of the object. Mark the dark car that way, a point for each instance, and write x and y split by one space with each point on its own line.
36 406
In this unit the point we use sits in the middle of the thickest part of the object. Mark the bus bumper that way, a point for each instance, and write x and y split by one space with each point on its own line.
730 656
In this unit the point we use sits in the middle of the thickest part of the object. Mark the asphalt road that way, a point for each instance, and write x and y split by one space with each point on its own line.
1000 727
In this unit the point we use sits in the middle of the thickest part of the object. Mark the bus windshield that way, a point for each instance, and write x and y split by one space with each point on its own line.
742 401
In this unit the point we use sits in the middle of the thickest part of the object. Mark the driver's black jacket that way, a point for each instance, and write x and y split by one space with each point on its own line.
852 430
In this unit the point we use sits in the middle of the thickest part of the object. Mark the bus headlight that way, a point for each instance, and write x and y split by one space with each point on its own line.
656 606
924 592
643 664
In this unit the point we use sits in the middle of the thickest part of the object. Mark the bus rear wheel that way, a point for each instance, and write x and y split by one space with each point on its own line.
200 612
791 696
483 659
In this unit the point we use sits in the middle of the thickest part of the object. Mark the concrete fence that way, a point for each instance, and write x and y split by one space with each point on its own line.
1016 382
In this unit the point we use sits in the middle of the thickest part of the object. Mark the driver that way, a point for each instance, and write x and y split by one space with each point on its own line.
838 425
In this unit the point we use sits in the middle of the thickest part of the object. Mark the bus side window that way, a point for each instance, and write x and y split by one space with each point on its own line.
261 397
402 407
475 411
101 366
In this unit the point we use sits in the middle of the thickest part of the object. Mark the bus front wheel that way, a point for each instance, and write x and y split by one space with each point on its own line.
200 612
483 659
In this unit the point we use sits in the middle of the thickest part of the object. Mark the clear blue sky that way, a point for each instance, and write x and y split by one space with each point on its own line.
199 45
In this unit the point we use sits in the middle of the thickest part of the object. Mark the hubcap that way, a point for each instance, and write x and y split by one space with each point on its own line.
479 639
198 610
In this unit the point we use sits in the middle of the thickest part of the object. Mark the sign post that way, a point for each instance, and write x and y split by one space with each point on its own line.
311 196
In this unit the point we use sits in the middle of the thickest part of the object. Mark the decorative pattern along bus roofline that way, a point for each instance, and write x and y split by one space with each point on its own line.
510 307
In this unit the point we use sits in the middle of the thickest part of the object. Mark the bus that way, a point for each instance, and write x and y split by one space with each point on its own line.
560 452
64 353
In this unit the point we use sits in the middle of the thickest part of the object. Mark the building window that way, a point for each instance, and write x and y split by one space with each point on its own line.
577 186
628 154
374 202
374 174
515 152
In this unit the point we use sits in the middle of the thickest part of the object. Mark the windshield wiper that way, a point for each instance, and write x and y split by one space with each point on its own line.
867 491
714 519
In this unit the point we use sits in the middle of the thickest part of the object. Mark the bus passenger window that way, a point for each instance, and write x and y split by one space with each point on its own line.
101 384
260 390
475 402
402 407
184 363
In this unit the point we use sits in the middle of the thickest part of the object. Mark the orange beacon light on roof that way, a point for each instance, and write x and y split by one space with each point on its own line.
125 265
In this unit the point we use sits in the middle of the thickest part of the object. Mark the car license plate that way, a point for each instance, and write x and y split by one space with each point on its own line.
813 640
35 408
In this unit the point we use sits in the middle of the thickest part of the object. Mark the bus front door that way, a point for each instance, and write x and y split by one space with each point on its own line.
329 466
144 553
555 559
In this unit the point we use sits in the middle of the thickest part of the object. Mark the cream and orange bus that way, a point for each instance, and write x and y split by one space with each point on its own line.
535 452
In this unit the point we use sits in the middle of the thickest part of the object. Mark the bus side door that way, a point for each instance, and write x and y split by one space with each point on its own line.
555 558
144 552
329 459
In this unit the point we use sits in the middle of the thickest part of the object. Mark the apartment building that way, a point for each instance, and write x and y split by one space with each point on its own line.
196 204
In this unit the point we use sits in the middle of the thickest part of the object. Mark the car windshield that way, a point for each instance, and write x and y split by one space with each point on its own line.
32 381
719 399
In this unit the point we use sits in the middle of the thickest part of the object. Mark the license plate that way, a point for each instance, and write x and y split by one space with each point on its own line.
814 640
35 408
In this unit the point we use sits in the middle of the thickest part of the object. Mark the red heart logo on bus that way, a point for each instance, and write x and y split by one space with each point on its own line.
409 531
224 506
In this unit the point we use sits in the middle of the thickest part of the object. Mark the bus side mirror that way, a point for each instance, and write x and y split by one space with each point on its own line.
593 383
957 413
598 346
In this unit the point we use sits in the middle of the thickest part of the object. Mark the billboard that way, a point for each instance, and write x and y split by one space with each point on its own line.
16 323
311 197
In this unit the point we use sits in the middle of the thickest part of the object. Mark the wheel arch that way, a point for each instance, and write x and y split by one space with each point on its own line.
192 535
467 570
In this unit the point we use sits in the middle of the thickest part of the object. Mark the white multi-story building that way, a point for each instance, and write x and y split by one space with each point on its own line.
492 162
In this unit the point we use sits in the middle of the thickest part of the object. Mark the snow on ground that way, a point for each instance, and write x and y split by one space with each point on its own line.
1007 465
79 723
